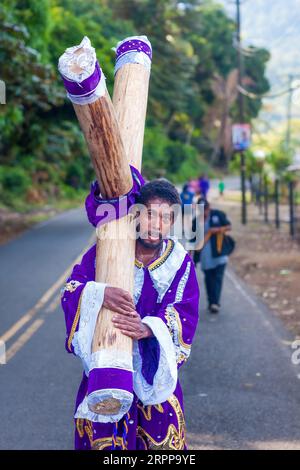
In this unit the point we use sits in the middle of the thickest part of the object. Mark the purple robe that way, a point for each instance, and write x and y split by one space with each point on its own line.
160 426
166 295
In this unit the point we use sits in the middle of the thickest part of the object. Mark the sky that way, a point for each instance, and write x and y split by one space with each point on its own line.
275 25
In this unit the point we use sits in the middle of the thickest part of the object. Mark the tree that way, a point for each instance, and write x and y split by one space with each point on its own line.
192 85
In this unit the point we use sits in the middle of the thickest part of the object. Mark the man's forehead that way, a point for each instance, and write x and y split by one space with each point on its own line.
158 203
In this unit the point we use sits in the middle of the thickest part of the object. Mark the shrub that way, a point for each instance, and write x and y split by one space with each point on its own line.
14 180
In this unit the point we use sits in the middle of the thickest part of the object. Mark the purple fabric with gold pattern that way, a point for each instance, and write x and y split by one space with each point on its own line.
160 426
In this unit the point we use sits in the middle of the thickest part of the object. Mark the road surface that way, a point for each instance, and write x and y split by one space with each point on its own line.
241 388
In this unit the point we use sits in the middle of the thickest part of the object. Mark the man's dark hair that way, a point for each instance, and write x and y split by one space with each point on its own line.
159 188
203 201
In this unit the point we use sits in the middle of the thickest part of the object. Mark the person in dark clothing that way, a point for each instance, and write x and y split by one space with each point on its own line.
214 254
204 186
186 196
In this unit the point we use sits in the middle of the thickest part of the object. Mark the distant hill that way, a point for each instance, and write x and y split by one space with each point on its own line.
275 25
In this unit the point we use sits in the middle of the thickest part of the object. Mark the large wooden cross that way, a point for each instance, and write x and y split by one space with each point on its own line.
114 132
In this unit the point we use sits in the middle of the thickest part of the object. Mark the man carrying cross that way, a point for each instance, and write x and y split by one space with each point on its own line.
132 329
161 319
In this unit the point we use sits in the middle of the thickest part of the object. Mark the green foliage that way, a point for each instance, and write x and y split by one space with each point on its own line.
15 180
280 159
253 165
273 165
39 134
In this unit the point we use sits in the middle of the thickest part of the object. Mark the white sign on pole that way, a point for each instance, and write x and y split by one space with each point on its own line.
241 136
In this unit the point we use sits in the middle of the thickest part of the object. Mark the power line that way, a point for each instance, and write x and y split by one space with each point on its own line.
247 51
254 96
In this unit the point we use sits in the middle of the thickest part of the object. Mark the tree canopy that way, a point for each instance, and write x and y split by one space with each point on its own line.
41 144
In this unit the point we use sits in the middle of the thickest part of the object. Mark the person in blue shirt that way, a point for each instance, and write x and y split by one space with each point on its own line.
187 195
213 256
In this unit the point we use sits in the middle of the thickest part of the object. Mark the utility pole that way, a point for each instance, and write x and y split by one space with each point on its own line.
241 112
289 113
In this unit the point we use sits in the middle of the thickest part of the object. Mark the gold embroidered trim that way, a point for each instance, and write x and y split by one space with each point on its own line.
163 257
75 322
86 426
71 286
79 427
89 430
104 442
169 310
175 439
138 263
159 261
147 410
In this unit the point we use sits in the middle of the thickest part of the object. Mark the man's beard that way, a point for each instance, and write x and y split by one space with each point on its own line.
147 244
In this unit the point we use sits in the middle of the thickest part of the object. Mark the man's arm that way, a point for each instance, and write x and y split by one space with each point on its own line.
225 224
181 314
72 293
222 229
157 358
82 292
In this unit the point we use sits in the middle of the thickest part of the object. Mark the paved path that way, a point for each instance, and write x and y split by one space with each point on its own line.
241 389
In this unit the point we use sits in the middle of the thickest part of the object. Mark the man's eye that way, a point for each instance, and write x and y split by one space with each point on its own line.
152 214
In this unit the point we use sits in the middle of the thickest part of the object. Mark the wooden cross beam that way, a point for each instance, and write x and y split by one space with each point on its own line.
114 136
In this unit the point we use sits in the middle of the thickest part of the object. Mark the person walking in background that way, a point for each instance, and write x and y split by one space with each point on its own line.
221 187
204 186
187 195
194 185
213 256
187 198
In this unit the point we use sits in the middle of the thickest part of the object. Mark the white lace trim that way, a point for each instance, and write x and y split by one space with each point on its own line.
91 303
111 358
86 60
165 379
123 396
163 276
134 57
182 283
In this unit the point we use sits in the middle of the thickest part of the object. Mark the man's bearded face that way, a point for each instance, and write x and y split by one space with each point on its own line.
155 221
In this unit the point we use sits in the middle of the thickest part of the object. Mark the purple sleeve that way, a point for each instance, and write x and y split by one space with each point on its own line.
181 315
100 211
150 352
71 293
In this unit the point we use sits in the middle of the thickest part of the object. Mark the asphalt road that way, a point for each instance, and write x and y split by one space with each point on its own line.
241 388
